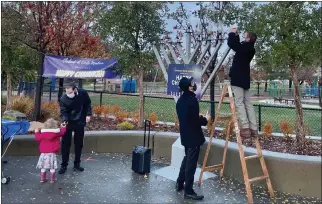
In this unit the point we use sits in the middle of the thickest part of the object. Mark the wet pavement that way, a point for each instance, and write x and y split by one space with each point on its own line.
108 178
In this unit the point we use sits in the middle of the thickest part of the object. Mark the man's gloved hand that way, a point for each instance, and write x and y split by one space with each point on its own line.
233 29
207 116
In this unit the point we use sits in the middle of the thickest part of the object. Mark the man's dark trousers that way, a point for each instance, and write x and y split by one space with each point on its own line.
188 168
78 130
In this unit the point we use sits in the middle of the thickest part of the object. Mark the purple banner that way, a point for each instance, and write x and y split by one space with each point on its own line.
177 71
76 67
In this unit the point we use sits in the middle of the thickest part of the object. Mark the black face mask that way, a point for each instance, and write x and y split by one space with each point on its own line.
194 88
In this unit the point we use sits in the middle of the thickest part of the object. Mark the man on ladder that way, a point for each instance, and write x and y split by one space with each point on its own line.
240 80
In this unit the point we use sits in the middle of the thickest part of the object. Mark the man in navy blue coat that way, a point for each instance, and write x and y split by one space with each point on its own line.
76 111
190 122
240 80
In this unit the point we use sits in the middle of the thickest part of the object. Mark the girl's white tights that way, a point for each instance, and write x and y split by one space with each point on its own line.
51 170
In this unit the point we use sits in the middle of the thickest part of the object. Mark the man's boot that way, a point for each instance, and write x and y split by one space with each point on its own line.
253 133
62 169
245 134
77 167
179 186
192 195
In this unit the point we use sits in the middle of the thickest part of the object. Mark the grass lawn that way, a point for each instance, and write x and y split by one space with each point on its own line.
165 110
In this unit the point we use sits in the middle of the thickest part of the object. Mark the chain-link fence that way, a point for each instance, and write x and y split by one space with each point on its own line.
289 93
165 109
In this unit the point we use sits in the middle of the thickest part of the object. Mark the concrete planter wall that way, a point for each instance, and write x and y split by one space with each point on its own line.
101 142
296 174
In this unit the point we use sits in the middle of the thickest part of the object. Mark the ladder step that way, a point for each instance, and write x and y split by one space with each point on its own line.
227 96
257 179
230 98
253 157
224 116
214 167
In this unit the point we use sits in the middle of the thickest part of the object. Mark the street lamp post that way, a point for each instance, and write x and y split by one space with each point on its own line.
188 46
320 89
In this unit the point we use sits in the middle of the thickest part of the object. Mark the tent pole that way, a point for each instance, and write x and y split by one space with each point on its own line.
80 83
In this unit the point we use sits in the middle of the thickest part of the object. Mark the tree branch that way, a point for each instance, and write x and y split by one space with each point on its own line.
23 42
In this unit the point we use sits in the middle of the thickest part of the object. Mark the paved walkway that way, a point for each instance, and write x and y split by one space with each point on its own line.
108 179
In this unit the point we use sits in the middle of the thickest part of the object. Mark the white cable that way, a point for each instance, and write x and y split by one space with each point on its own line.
7 146
4 153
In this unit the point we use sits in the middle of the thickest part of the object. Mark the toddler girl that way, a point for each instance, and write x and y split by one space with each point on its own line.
49 145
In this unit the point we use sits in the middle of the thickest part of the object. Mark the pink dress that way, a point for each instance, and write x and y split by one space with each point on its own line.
47 161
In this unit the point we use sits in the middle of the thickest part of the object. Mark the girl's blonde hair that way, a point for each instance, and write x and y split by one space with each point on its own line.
51 124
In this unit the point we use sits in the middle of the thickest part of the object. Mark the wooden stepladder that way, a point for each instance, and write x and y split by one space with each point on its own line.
232 117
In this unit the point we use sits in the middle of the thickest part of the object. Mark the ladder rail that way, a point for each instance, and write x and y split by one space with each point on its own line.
264 167
212 134
241 153
225 149
230 94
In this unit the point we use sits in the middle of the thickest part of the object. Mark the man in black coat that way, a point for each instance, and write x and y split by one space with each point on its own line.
240 80
76 111
190 122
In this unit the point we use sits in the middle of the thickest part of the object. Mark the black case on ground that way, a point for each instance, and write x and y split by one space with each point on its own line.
141 155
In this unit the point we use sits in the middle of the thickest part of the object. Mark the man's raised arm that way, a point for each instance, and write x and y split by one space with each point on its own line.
233 40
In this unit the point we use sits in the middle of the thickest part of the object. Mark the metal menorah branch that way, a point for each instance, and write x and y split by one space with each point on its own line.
188 57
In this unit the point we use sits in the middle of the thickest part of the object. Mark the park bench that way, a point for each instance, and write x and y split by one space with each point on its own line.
311 96
285 100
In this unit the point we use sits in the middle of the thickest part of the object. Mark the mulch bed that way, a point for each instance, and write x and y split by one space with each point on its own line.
275 144
3 108
284 145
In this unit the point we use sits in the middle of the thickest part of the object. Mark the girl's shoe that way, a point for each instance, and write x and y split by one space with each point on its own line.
43 177
52 177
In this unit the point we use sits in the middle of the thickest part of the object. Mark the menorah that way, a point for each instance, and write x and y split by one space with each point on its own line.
198 55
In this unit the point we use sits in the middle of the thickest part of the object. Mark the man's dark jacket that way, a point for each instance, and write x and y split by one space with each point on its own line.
76 109
189 120
240 70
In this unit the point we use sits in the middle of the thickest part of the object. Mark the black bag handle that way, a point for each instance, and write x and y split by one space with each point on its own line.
145 124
